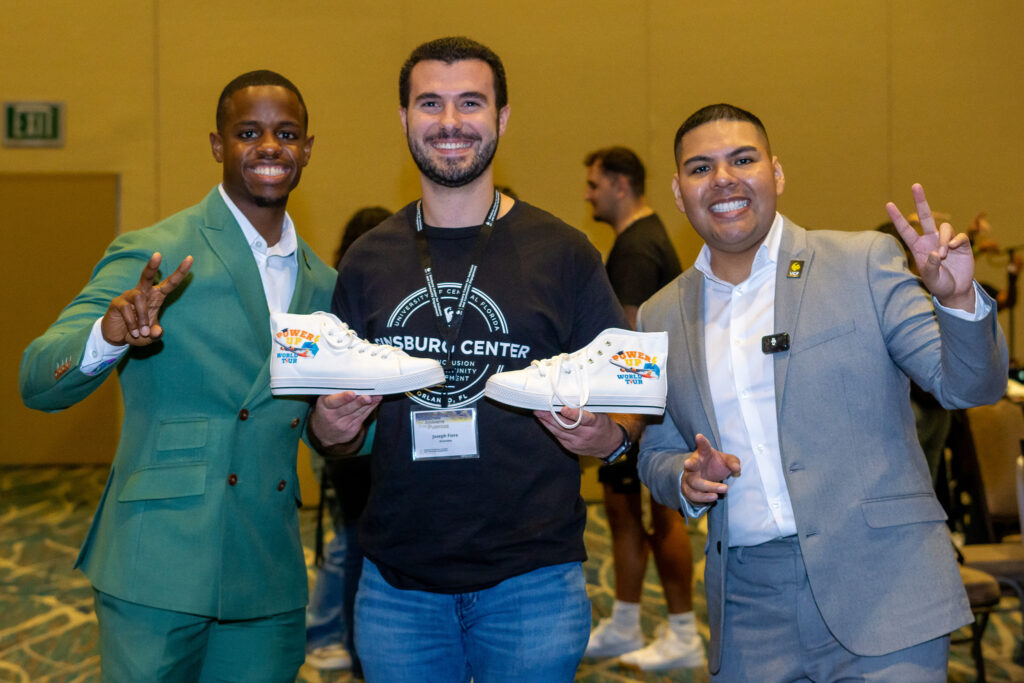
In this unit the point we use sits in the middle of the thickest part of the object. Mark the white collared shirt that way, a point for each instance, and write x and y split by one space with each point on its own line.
278 267
742 381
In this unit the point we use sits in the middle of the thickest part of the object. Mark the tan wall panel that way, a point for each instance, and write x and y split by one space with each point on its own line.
860 97
98 59
956 118
63 224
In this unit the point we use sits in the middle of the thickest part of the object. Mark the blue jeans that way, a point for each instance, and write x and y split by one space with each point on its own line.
332 601
532 627
333 598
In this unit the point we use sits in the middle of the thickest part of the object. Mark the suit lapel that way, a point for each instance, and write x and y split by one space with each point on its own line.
302 297
228 243
789 292
691 304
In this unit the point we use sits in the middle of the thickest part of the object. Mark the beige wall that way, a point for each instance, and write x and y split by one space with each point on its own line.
861 97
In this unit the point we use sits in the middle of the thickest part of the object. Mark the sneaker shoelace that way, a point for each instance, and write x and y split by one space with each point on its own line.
342 336
554 368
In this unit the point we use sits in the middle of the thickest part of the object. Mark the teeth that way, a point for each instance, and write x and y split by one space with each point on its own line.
270 171
451 145
723 207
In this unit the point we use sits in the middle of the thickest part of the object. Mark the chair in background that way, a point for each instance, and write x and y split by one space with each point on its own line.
983 594
996 435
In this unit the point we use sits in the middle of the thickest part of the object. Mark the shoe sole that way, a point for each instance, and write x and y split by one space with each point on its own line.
613 652
372 386
596 404
685 664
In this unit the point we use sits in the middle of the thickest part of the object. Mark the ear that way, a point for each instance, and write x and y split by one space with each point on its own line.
307 149
217 147
503 119
780 177
677 193
403 113
622 187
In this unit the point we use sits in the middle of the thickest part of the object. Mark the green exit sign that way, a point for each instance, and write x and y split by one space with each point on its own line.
33 124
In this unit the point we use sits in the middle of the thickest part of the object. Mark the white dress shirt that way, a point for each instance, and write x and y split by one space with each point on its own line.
278 267
742 381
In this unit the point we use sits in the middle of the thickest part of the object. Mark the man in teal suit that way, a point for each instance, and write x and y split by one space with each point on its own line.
194 552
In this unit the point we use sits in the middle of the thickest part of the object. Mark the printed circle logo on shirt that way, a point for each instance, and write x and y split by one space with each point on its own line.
481 349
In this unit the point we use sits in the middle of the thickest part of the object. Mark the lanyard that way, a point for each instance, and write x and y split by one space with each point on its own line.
449 331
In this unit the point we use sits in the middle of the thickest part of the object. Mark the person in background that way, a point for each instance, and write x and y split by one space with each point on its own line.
344 488
641 262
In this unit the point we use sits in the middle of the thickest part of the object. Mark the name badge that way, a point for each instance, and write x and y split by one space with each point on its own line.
444 434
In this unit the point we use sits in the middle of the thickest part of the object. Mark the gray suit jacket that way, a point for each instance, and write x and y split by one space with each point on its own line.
872 534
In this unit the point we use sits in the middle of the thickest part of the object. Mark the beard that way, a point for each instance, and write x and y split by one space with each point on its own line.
270 202
452 173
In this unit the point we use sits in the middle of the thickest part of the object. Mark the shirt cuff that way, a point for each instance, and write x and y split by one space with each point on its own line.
99 354
982 307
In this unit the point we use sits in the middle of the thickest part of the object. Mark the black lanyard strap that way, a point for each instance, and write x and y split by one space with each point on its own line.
449 331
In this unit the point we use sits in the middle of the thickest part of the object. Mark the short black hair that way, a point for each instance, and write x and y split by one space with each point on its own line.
623 161
717 112
450 50
256 78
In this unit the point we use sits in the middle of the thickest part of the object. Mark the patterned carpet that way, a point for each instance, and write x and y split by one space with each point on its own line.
48 630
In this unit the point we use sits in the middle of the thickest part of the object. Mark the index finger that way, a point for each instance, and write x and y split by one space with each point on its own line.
343 398
924 212
150 271
171 282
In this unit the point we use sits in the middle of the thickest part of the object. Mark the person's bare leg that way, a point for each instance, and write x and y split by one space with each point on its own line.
629 543
673 556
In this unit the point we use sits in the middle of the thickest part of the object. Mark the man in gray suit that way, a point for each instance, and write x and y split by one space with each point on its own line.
789 420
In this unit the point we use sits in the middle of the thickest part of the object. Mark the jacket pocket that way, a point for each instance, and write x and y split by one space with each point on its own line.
165 481
842 328
918 507
173 435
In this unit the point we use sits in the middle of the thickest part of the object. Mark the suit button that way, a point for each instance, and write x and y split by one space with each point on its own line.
281 485
243 414
295 423
232 479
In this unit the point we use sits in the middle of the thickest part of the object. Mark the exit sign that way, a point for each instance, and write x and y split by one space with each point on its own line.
33 124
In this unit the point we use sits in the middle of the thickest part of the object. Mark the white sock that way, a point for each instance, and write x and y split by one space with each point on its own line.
683 623
626 615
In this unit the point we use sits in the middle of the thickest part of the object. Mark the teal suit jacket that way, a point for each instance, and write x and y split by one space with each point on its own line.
199 512
873 536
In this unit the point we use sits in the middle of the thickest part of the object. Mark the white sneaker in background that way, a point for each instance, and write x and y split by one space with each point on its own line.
329 658
668 651
621 371
319 354
608 640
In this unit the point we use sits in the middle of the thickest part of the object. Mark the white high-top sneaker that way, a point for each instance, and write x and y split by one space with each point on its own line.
621 371
319 354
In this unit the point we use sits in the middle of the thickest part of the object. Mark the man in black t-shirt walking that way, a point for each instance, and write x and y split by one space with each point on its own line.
641 262
473 532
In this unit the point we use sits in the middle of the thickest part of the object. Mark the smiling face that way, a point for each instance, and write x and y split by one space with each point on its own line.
727 185
452 123
263 146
